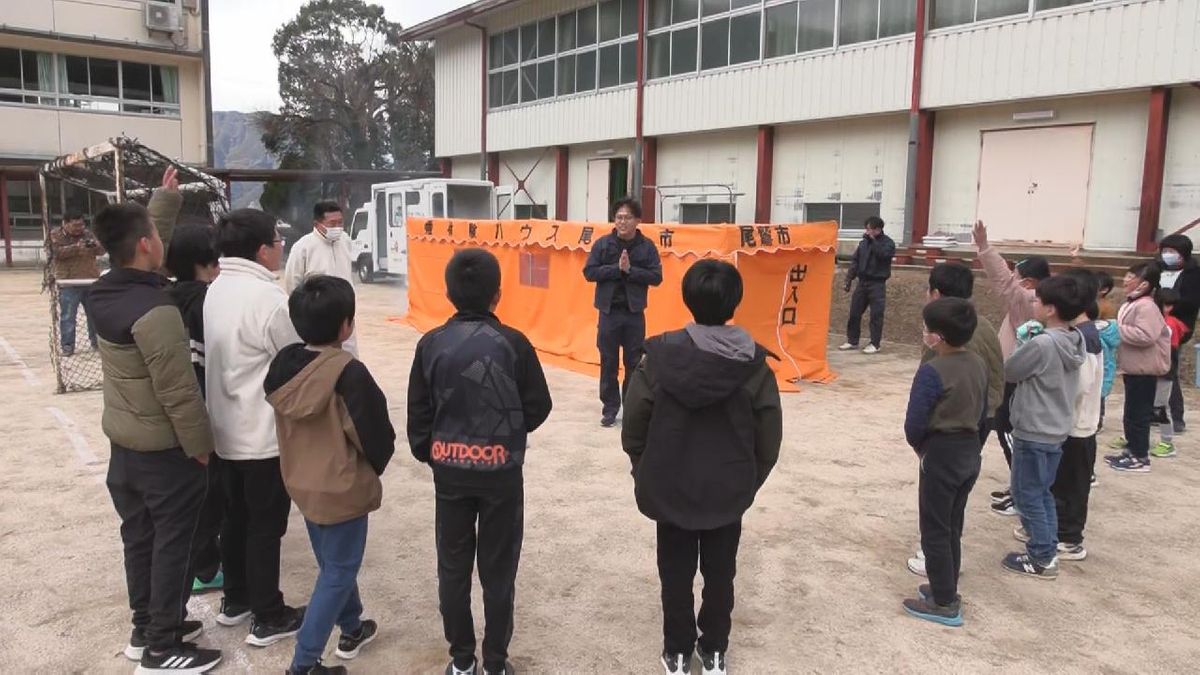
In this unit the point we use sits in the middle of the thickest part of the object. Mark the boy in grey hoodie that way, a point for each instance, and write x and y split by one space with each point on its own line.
1045 371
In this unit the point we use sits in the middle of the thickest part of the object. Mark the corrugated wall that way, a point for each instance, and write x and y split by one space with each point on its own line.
721 158
1102 47
865 80
581 119
457 93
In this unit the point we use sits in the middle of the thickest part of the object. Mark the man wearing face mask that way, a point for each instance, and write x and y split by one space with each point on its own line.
1182 273
324 251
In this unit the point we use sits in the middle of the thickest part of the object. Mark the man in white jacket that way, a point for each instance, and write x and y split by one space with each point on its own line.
246 324
325 250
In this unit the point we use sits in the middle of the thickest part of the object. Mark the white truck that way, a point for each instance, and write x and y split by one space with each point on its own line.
378 234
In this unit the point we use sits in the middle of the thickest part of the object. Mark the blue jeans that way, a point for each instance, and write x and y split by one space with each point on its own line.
70 298
339 551
1034 466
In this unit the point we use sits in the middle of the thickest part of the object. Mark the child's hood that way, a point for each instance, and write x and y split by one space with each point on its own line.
1069 347
697 377
301 381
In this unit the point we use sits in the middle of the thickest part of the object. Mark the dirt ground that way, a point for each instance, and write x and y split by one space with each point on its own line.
822 555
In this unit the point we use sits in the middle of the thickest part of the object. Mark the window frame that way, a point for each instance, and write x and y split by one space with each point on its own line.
58 98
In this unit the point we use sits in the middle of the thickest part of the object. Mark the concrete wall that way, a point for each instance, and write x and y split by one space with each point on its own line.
1118 150
1181 183
723 158
118 20
536 168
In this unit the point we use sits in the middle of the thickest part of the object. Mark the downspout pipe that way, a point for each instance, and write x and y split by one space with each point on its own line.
206 47
639 137
483 99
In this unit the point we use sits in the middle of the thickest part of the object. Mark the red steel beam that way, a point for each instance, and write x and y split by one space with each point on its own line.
561 174
649 179
447 167
493 167
1153 168
924 177
764 174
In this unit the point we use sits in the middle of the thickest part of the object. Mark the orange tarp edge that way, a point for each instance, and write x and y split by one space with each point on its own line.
787 271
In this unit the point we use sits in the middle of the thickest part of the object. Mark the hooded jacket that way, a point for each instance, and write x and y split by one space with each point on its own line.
1018 300
1046 372
872 260
335 437
703 425
1145 338
246 324
188 296
1110 339
152 401
1187 283
603 269
1091 383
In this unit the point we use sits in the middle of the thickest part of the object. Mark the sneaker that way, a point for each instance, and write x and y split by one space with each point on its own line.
925 592
1073 552
1004 508
452 669
711 664
1130 464
507 670
214 584
318 668
916 564
1022 563
182 659
871 349
846 347
264 634
608 421
946 615
189 631
1180 427
232 615
1001 495
1119 443
1021 535
349 645
1163 449
675 664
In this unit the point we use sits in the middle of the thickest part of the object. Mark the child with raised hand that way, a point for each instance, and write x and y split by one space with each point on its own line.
1045 371
947 409
1144 356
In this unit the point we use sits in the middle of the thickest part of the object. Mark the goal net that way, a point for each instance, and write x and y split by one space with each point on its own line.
121 169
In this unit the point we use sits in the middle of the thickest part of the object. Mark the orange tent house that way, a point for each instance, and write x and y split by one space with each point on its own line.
787 270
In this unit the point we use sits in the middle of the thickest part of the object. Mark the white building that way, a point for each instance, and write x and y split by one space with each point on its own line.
1063 121
74 73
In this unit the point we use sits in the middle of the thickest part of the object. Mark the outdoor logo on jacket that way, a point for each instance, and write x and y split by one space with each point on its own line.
466 456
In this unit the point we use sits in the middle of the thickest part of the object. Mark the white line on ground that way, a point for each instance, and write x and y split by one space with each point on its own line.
31 378
82 450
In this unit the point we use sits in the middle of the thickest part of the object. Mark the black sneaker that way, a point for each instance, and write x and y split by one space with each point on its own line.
925 593
183 659
265 634
349 645
232 615
677 664
452 669
1180 427
711 664
946 615
188 631
1001 495
1022 563
608 421
318 668
1004 508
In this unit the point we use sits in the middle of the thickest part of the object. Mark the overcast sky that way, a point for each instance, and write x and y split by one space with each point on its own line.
243 66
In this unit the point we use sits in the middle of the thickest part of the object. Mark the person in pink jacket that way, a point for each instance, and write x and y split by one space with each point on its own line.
1144 355
1017 288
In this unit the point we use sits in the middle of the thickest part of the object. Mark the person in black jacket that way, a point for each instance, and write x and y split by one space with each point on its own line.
703 425
1182 273
872 266
623 265
475 393
192 260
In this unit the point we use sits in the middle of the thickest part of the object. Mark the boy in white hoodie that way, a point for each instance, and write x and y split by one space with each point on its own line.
246 324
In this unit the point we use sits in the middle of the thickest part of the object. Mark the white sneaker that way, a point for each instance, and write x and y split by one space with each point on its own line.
1073 552
712 664
846 346
871 349
916 565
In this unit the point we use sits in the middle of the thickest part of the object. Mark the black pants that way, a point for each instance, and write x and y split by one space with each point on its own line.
871 294
1139 413
158 497
1072 487
678 551
621 332
206 548
256 517
949 467
1176 393
1003 422
500 514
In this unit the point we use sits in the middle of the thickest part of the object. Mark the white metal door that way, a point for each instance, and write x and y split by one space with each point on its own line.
597 190
504 202
1033 183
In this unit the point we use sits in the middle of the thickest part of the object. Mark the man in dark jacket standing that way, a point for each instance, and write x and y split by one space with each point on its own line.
872 266
623 265
154 416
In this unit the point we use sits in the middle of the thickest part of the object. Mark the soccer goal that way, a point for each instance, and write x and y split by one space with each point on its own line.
121 169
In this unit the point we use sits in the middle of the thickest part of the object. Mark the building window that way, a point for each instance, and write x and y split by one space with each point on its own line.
956 12
529 211
850 216
535 269
594 47
39 78
712 214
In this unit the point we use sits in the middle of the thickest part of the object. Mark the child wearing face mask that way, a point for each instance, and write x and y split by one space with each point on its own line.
1144 355
324 251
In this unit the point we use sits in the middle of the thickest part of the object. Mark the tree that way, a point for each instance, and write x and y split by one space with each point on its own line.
353 97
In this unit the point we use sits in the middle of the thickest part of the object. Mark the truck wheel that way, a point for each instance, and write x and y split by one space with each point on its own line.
366 270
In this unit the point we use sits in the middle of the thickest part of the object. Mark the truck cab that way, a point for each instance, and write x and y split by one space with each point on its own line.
378 229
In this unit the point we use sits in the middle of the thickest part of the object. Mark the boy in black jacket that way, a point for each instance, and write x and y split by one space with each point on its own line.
476 391
703 425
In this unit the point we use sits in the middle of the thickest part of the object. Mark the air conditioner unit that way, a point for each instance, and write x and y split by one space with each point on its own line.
163 16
